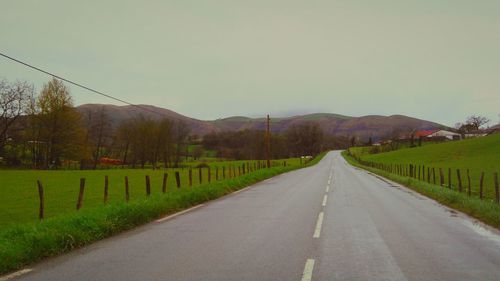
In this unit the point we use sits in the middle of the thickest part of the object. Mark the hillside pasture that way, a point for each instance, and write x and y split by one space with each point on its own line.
477 155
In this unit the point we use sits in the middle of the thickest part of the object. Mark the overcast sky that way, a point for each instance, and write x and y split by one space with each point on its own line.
436 60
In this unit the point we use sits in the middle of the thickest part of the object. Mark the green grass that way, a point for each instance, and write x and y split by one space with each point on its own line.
478 155
24 243
484 210
19 193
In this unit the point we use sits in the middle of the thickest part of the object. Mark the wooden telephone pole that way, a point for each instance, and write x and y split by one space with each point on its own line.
268 144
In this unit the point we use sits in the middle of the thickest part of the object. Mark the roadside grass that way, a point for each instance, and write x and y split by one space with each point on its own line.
26 243
478 155
484 210
19 193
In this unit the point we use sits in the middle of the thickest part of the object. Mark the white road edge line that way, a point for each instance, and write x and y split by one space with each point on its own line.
308 270
197 206
175 215
319 224
327 188
15 274
324 200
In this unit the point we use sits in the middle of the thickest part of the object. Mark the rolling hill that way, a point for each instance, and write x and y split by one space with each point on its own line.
375 126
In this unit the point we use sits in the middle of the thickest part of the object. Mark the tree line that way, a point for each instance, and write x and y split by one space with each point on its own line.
304 139
44 130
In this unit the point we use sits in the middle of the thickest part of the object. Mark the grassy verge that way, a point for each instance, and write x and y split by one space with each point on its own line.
30 242
477 155
484 210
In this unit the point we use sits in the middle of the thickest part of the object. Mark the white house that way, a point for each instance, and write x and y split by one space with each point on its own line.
447 134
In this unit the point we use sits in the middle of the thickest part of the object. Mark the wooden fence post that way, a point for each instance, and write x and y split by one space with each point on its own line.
239 170
497 195
148 186
223 172
190 175
209 174
217 173
441 177
433 175
428 175
106 183
164 184
200 177
459 181
468 183
449 178
80 194
178 179
481 186
127 193
42 200
411 170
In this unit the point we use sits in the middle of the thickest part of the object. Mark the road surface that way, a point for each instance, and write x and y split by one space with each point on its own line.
327 222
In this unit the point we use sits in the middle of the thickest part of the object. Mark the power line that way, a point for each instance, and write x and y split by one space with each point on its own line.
77 84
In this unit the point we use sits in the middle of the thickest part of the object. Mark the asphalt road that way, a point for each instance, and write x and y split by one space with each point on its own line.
327 222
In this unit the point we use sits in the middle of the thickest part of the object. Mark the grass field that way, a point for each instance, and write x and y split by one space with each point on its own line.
478 155
19 194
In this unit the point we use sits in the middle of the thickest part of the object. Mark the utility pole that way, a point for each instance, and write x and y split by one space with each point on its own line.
268 144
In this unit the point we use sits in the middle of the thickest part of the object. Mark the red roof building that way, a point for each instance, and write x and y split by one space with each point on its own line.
424 133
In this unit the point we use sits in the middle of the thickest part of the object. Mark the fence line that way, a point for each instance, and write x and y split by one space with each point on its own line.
417 172
229 172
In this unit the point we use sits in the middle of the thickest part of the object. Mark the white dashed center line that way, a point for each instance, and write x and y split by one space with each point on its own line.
319 224
177 214
324 200
308 270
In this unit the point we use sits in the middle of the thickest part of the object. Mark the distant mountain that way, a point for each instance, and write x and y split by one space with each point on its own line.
375 126
117 114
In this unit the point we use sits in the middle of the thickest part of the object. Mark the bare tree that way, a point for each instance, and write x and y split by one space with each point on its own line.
476 121
98 132
142 142
198 152
14 101
123 138
163 142
305 139
181 132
